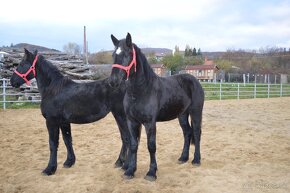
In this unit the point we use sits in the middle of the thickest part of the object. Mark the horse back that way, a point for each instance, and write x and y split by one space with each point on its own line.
77 102
185 83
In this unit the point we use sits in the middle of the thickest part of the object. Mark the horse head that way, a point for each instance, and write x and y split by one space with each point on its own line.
25 71
124 58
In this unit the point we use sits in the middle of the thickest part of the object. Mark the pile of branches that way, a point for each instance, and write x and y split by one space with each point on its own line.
70 65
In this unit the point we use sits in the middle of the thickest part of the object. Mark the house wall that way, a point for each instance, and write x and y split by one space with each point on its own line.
202 74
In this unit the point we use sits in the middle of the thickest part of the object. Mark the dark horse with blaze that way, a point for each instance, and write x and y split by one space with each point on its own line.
150 99
64 101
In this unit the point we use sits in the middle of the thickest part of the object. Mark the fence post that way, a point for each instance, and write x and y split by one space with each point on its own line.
238 91
4 93
268 90
255 90
220 89
281 89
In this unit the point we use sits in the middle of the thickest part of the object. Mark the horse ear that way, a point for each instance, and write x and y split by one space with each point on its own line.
27 54
129 40
35 52
114 40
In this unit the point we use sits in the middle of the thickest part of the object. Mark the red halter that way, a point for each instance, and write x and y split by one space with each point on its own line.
127 68
32 68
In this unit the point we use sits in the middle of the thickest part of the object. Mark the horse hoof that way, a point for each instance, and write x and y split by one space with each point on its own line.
127 177
47 173
118 164
196 164
69 163
44 174
150 178
67 166
181 162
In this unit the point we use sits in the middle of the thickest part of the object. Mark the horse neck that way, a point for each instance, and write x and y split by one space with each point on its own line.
46 73
144 75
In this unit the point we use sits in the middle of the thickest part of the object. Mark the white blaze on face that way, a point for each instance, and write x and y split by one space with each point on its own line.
118 51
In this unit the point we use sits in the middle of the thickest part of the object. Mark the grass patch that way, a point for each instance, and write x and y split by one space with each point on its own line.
217 91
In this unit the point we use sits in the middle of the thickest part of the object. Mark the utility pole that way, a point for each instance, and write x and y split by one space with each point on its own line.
85 54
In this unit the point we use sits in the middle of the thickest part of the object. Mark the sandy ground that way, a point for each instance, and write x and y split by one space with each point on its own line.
245 148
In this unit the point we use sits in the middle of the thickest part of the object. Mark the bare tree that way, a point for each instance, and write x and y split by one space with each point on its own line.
72 48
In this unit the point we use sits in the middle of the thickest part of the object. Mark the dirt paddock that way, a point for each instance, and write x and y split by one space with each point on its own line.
245 148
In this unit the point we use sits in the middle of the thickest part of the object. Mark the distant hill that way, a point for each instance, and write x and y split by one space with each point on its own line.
146 51
166 51
32 47
213 55
163 51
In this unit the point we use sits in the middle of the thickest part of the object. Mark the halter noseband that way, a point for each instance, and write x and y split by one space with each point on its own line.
127 68
32 68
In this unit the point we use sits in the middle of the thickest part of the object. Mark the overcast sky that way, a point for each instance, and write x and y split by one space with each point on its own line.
212 25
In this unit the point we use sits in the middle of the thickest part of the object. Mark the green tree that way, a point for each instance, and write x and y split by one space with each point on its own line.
193 60
173 62
187 51
199 52
194 52
152 58
224 64
176 50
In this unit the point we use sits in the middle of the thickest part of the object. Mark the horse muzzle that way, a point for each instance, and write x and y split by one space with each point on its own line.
14 83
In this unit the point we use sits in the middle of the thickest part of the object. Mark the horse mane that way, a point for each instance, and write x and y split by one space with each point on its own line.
148 71
55 79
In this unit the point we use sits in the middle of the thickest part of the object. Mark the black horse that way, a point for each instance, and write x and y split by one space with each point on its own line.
65 101
150 99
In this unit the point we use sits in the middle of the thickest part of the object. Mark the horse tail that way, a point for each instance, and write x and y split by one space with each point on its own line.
196 110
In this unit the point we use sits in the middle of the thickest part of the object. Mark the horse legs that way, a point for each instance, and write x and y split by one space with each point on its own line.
187 134
122 160
151 145
67 138
196 118
134 130
53 131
